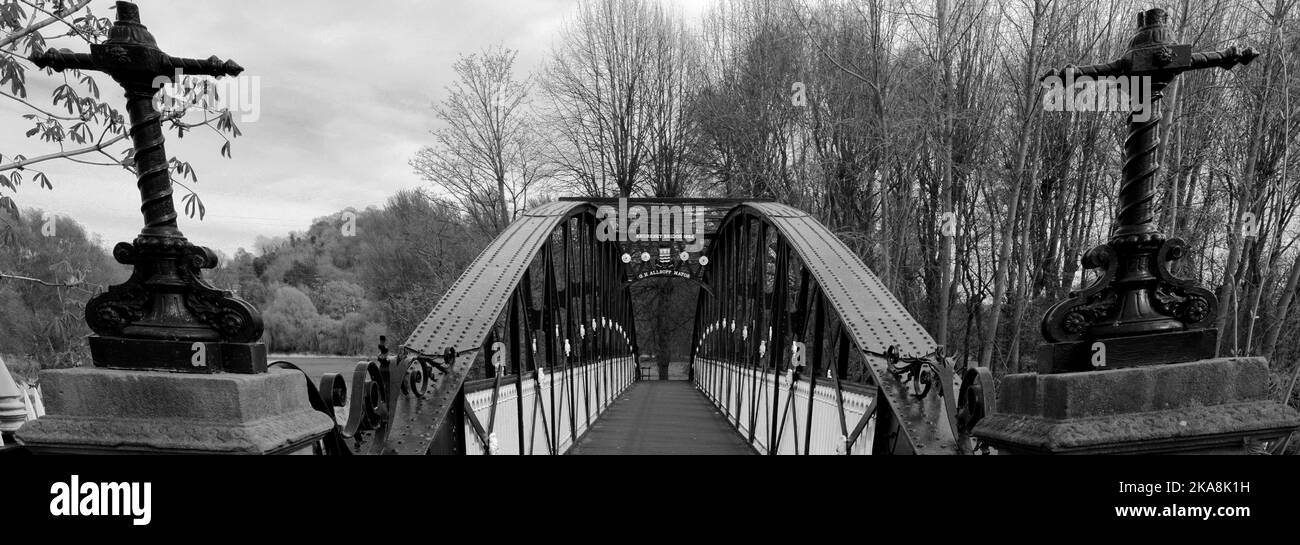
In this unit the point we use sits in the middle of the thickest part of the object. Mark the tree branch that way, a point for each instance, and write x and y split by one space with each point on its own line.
37 108
5 41
60 18
63 154
7 276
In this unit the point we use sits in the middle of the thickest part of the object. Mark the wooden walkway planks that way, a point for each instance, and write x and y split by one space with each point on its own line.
661 417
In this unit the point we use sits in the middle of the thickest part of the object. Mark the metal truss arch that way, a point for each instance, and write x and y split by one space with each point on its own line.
791 296
542 309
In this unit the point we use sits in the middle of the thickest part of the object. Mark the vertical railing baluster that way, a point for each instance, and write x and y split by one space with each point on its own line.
745 256
601 353
589 305
801 311
530 341
777 348
488 345
814 359
516 361
607 337
697 342
725 371
757 297
598 329
568 333
549 333
841 367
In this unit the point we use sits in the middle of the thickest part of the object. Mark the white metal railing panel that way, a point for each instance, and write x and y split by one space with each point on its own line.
745 396
563 403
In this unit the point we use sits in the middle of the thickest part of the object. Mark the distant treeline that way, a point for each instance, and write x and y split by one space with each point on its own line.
49 267
332 289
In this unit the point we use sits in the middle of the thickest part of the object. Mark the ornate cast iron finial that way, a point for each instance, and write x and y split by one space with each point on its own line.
1137 293
165 316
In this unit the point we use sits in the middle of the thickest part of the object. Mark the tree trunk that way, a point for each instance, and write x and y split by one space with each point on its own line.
1024 296
1028 113
945 117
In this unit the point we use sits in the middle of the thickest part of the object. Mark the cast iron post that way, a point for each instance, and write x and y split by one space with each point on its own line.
165 316
1136 294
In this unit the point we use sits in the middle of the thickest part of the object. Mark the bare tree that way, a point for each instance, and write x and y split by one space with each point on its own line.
1026 91
616 95
485 154
671 169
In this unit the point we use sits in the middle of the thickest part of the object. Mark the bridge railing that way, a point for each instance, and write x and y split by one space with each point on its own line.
744 395
528 424
786 293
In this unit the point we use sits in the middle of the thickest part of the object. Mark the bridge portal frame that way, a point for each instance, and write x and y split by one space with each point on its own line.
827 306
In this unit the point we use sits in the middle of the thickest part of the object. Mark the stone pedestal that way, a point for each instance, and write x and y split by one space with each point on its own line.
104 411
1216 406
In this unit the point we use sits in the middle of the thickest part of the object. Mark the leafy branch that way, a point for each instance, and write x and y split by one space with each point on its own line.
77 113
31 29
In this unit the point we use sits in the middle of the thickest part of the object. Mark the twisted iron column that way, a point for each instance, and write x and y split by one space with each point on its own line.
1136 294
165 316
152 176
1138 188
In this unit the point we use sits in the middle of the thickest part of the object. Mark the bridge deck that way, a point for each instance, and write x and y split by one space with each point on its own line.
661 417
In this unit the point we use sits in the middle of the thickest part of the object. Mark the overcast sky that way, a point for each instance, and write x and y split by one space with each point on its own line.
345 93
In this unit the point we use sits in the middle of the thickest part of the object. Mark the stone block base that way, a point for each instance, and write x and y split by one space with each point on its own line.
1208 406
178 356
92 410
1157 349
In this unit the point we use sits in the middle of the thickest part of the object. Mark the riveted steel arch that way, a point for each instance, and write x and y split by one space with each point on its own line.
781 276
546 291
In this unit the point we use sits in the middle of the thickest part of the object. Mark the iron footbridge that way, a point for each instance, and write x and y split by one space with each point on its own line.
797 348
